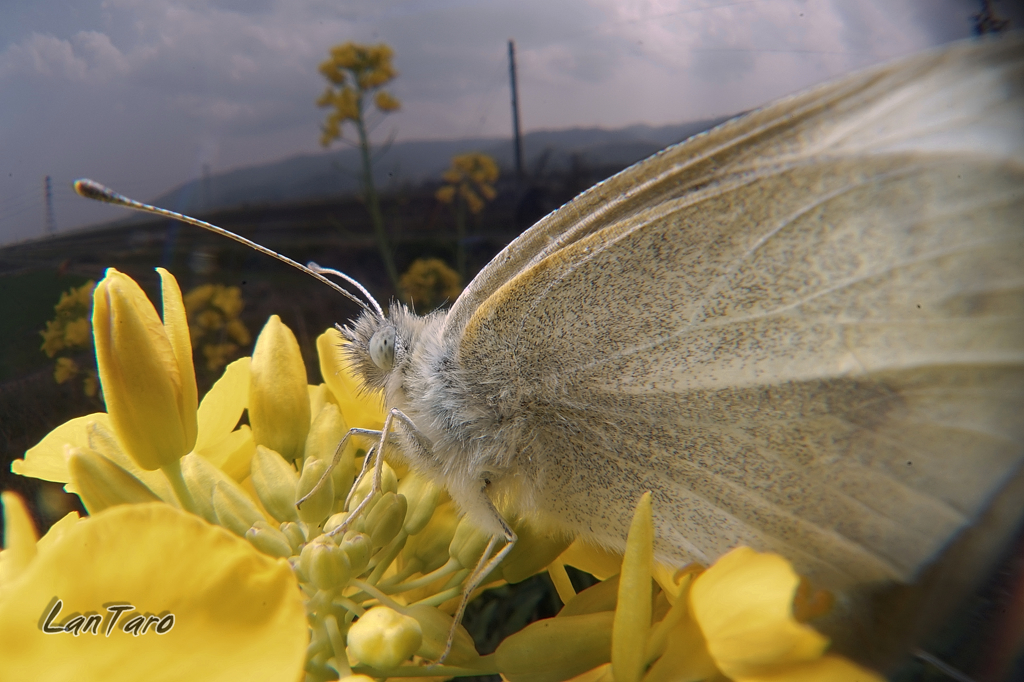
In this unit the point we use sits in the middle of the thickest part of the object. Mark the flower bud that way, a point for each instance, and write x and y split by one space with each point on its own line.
101 483
423 497
633 612
269 540
325 434
385 519
388 483
315 509
359 549
325 564
556 648
235 511
430 546
275 482
296 536
435 626
335 520
278 393
469 543
384 638
145 368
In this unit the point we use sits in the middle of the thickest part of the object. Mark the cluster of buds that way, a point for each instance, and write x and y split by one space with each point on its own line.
470 178
430 283
353 71
345 595
215 325
70 333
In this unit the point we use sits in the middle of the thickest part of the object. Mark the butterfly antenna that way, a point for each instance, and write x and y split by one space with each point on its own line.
90 189
351 280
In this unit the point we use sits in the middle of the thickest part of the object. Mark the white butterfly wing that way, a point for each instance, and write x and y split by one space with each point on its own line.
803 331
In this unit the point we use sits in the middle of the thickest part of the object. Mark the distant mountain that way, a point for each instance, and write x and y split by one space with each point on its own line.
312 176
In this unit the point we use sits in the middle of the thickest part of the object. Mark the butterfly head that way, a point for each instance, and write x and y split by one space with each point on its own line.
381 346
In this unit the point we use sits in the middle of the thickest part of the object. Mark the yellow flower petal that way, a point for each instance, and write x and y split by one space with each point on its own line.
140 375
233 454
46 460
556 648
744 605
223 405
597 561
825 669
633 612
237 614
19 540
278 393
102 483
359 409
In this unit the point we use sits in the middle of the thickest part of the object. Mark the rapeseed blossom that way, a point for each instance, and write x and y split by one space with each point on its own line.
193 515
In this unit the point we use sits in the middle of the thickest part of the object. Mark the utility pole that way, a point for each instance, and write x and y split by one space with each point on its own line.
51 224
515 111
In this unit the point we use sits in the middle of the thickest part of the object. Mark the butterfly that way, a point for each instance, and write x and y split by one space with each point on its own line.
801 331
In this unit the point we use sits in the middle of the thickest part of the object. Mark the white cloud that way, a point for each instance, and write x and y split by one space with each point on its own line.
148 92
88 56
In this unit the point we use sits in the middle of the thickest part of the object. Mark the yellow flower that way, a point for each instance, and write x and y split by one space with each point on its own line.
471 177
77 332
145 368
429 283
212 607
64 370
354 70
386 102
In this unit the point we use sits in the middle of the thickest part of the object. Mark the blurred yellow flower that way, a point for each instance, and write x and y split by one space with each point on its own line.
386 102
429 283
354 70
469 185
70 332
471 177
64 369
217 332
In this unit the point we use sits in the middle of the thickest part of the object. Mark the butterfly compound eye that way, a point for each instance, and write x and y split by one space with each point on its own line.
382 348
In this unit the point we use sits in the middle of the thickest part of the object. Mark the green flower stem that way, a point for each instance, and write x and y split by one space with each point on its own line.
457 578
338 644
450 567
488 667
395 579
387 555
441 597
377 594
172 470
349 605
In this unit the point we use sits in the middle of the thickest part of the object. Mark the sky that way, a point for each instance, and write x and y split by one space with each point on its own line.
142 94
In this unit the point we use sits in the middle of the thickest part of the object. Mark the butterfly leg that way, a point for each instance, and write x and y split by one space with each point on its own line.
337 458
395 415
483 568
